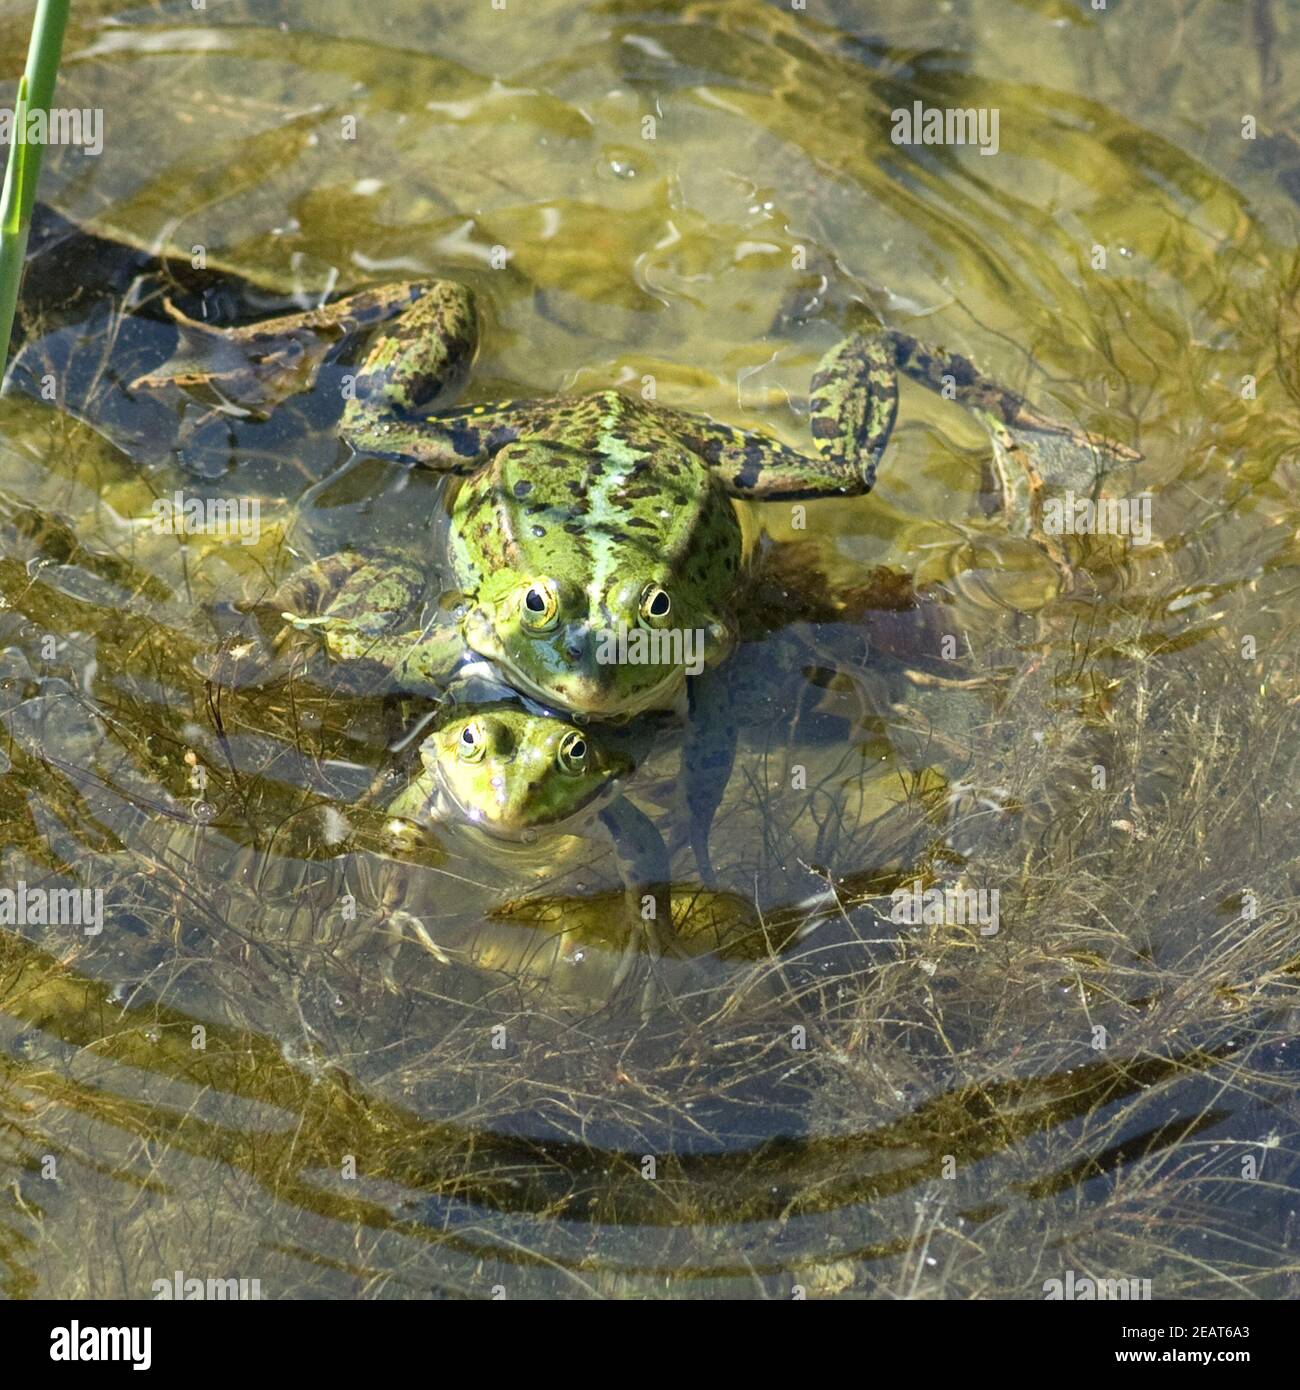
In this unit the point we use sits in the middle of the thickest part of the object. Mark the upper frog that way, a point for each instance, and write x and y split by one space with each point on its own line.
600 524
595 539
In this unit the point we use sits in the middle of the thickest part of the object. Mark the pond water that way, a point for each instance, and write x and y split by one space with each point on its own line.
256 1067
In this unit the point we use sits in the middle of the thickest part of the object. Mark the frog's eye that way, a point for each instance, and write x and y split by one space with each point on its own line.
472 743
572 756
655 603
541 605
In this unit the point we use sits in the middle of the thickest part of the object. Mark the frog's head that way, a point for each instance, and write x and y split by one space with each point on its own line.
575 593
509 772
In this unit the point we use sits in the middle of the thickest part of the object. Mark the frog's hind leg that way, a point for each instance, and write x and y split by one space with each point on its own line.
1009 418
854 402
417 365
853 405
254 367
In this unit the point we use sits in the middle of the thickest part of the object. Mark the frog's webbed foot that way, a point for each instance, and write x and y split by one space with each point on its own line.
252 368
391 930
1009 418
350 592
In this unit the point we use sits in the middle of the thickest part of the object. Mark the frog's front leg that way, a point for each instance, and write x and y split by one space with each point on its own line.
356 604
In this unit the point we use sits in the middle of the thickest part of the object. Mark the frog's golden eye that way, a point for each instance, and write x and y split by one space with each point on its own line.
655 603
572 756
472 743
540 608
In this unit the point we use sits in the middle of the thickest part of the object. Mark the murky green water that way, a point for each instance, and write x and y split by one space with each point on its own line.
241 1076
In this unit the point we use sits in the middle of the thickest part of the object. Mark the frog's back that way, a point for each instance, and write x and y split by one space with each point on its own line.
610 477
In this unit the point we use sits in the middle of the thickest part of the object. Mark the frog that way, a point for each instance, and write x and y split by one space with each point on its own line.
510 772
501 768
598 543
577 517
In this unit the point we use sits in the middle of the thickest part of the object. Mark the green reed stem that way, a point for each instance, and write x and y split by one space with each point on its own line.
35 92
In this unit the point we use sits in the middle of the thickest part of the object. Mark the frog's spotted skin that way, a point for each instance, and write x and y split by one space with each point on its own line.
510 772
854 401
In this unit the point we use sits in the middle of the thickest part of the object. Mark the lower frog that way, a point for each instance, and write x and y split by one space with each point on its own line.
514 773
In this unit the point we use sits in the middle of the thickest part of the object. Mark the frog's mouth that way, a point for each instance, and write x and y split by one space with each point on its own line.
601 692
582 670
499 826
